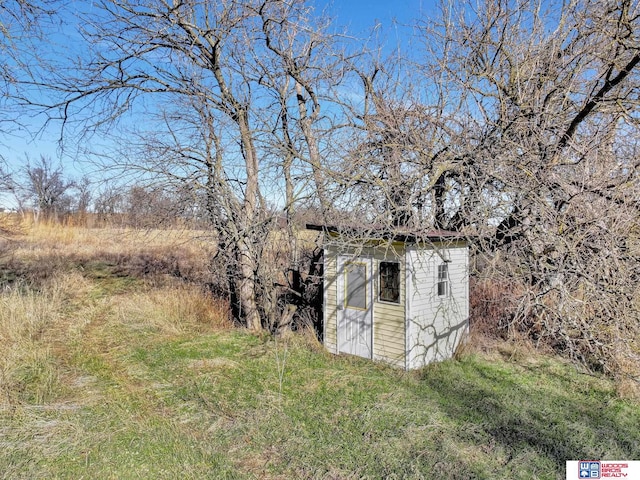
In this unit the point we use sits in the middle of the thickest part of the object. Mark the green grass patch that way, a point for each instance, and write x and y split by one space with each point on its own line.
108 278
129 387
232 405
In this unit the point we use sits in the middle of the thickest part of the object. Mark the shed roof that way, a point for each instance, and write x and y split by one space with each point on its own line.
381 233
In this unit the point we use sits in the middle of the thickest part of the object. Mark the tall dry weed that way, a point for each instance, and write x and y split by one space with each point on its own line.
492 304
26 365
25 313
150 254
34 324
172 310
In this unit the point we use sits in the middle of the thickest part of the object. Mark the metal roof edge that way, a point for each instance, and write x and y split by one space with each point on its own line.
385 234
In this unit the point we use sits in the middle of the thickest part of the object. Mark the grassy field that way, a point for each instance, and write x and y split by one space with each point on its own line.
111 366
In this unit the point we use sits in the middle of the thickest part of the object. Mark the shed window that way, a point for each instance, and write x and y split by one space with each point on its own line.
356 286
443 280
389 282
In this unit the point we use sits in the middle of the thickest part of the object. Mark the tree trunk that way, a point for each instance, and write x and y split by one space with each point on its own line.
246 285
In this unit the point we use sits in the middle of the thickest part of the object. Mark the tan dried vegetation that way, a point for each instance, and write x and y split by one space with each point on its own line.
66 289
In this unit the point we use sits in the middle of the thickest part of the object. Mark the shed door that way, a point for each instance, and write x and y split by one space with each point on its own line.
355 306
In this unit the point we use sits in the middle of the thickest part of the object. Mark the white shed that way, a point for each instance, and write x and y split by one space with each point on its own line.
398 299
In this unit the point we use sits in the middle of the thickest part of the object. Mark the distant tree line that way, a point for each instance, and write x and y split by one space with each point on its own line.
43 191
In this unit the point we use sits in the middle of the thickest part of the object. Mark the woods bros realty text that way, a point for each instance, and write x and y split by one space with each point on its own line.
603 469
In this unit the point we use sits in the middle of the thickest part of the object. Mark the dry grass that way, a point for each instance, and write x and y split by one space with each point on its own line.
172 310
57 291
27 317
72 301
118 365
51 239
36 252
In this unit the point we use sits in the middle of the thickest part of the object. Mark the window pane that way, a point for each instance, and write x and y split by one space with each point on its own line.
442 271
443 280
356 281
389 282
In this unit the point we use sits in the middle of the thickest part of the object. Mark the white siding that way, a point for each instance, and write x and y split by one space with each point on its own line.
389 318
423 327
389 334
330 301
435 324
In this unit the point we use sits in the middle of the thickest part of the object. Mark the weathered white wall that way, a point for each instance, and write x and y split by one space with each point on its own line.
423 325
330 301
388 318
435 324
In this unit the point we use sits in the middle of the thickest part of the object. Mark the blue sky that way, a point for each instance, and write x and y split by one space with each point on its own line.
358 16
361 15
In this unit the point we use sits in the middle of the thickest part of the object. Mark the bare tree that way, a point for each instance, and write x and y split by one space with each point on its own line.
552 94
109 204
522 132
225 88
22 27
84 194
46 189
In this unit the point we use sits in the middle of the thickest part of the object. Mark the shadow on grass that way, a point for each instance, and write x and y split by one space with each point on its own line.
108 266
558 417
